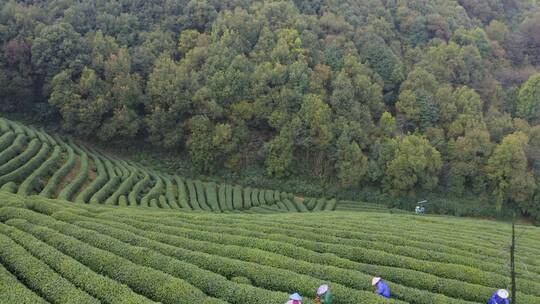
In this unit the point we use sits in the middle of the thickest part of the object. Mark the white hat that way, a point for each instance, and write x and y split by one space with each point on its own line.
322 290
502 293
375 280
295 296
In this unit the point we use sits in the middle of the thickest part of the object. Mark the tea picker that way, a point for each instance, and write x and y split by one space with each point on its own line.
420 208
499 297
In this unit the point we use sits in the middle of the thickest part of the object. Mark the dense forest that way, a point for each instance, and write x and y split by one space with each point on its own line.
405 95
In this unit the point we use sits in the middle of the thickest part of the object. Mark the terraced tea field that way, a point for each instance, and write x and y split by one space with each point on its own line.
34 162
78 226
58 252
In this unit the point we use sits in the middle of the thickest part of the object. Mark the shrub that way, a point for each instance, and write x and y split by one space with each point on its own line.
106 191
209 282
10 187
262 200
64 170
222 197
289 205
241 280
155 191
255 198
153 284
282 206
21 159
4 126
229 190
122 201
199 188
6 140
206 243
243 235
14 149
269 197
38 276
247 198
123 189
171 193
330 205
100 287
320 204
85 195
237 198
259 274
211 196
13 291
182 194
300 205
25 169
133 196
163 203
78 181
34 179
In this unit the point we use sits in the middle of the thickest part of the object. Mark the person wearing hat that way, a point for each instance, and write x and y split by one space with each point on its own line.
499 297
324 296
295 298
380 287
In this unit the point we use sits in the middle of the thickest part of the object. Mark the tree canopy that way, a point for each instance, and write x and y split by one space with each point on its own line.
407 96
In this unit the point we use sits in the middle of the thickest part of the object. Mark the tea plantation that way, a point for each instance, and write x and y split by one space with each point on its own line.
34 162
77 226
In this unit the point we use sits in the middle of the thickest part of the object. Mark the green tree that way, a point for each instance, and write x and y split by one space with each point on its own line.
280 150
59 47
168 102
351 163
507 171
199 143
467 159
415 165
528 101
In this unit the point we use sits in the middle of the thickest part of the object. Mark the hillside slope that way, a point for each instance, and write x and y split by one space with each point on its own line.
34 162
59 252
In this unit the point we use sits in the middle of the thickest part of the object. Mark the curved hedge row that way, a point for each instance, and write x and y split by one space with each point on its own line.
98 286
33 180
60 174
25 169
155 191
229 256
38 276
153 284
84 196
89 176
171 193
192 195
350 278
212 196
133 196
183 199
21 159
68 192
6 140
122 190
250 236
13 291
201 197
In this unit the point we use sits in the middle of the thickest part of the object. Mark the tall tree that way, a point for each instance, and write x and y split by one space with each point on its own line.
511 181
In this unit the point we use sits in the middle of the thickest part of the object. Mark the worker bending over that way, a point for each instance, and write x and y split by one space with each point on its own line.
380 287
324 296
295 298
499 297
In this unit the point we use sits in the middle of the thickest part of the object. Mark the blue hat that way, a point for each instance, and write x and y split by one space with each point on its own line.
295 296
